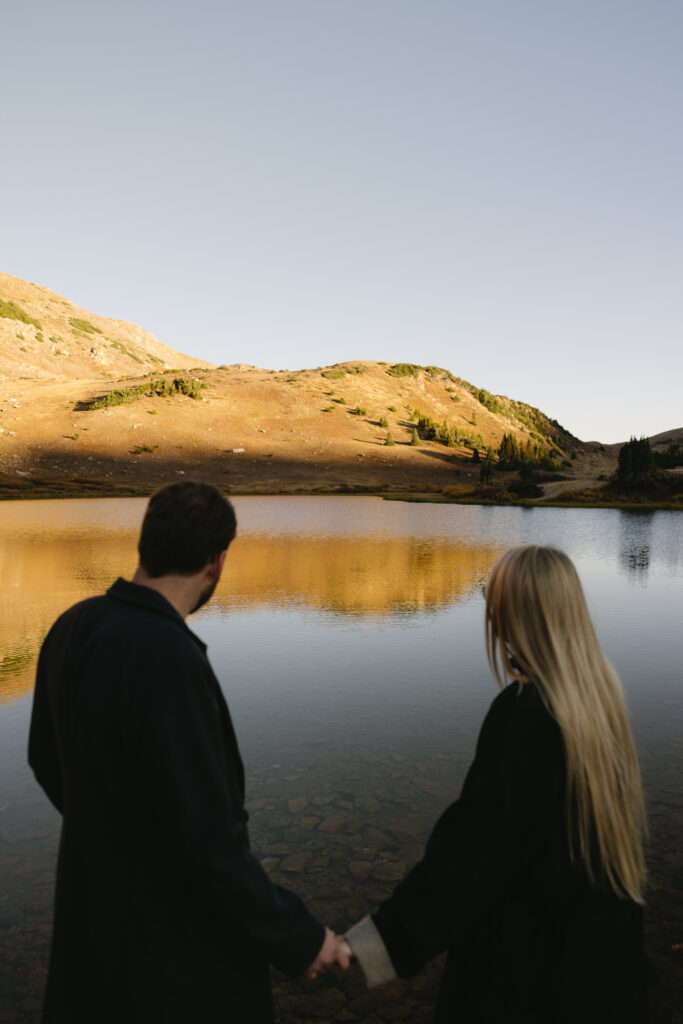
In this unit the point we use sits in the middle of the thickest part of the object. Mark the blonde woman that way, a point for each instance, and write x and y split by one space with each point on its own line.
533 879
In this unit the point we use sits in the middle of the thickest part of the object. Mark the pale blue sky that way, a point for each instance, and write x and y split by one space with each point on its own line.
493 186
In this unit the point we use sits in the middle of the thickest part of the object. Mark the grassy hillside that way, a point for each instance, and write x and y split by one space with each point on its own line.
44 336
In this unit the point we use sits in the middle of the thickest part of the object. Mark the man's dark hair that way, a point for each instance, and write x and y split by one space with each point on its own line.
186 526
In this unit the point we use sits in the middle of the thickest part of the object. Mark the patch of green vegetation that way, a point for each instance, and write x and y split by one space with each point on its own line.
39 337
83 325
392 408
141 448
330 408
20 336
414 440
131 355
357 369
360 410
384 422
336 373
489 401
55 339
389 440
152 412
446 434
23 348
341 400
10 311
161 388
404 370
438 371
513 455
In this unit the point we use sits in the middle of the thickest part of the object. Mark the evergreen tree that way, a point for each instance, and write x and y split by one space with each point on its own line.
636 461
415 440
389 441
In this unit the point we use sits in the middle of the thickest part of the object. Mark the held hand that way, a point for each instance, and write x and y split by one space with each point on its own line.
333 951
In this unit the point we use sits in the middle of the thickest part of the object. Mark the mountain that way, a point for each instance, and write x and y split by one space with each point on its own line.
43 336
90 405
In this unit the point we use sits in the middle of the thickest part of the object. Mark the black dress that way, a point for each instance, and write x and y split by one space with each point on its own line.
529 939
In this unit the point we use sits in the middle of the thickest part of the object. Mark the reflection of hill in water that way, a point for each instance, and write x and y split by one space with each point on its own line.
45 570
366 576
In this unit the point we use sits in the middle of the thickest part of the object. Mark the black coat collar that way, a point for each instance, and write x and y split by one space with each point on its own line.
139 596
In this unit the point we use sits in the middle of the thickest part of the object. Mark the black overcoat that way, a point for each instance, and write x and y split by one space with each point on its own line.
529 939
162 913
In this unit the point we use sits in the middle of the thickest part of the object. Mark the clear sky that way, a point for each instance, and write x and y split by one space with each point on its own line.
492 186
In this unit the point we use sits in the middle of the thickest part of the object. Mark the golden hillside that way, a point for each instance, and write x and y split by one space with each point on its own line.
251 430
44 336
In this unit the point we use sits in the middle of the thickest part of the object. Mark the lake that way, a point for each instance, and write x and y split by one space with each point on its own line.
347 634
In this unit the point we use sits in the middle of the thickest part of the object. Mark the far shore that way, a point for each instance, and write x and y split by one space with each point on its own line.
41 489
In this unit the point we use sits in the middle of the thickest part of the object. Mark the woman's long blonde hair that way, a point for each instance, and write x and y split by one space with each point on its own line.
538 630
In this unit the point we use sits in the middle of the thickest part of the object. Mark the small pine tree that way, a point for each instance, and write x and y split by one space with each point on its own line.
389 441
473 421
415 440
384 422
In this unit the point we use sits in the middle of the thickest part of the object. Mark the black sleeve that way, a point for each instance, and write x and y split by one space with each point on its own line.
184 774
481 845
43 755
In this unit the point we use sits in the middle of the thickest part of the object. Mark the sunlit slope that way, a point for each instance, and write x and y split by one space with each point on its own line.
43 335
246 428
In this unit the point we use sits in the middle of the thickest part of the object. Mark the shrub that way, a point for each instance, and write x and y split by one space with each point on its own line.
83 325
489 401
139 449
10 311
389 441
340 401
131 355
384 422
360 410
404 370
329 408
162 388
414 440
336 373
20 336
392 408
357 369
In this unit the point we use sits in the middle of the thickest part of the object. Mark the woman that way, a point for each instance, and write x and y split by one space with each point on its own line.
533 879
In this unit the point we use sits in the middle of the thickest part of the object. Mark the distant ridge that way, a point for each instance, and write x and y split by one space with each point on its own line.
43 336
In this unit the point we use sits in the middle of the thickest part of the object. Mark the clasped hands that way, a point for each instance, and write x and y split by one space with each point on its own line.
334 950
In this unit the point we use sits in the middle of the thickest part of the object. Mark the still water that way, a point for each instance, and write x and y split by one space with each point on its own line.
347 634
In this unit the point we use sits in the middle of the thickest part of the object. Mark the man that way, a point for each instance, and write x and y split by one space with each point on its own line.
162 913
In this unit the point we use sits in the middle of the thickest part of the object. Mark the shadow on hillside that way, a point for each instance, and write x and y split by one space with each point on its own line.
90 471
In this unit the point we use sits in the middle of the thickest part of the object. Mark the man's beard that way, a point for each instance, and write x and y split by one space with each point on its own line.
205 595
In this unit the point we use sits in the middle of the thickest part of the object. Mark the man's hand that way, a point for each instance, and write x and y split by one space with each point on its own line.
333 951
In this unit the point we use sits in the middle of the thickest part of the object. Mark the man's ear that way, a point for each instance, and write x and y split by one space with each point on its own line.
216 567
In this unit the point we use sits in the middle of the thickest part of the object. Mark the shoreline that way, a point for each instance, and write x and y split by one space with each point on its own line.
38 490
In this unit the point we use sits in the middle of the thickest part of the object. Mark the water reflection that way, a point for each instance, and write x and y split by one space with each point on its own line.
635 544
47 566
366 727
